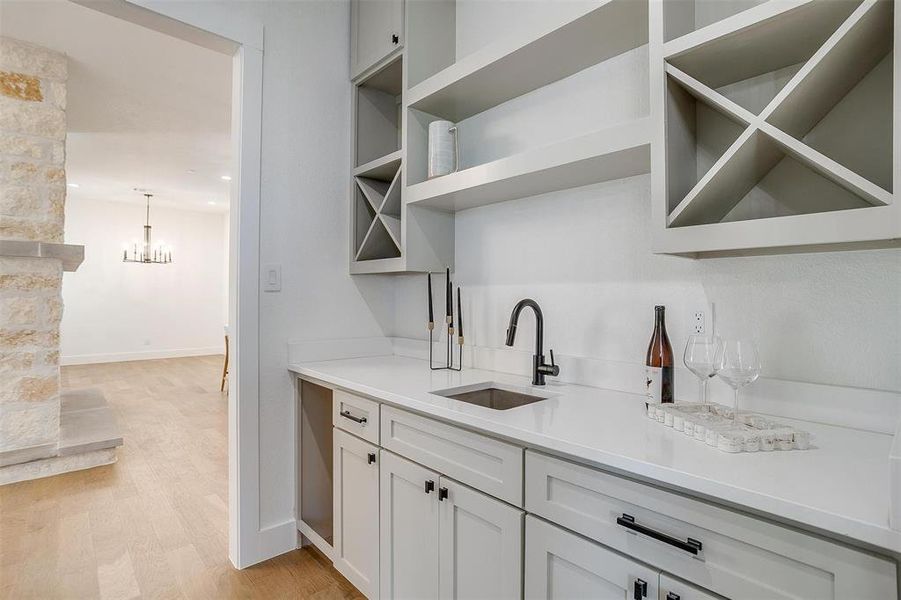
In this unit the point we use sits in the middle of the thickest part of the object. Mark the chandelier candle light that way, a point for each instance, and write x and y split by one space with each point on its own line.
159 255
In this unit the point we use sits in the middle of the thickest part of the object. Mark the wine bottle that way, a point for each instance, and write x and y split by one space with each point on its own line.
659 362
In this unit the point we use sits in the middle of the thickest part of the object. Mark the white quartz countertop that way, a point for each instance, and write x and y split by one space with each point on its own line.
839 487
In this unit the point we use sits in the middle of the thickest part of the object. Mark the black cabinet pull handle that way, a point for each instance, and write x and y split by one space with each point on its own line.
346 414
371 458
640 589
395 39
429 486
691 546
442 493
673 596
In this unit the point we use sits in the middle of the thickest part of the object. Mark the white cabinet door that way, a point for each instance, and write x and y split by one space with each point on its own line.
480 545
377 29
561 565
673 589
409 530
356 512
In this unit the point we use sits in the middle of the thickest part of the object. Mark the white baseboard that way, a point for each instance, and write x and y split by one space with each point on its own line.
271 541
89 359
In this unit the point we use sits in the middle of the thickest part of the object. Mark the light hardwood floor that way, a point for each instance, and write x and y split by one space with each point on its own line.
153 525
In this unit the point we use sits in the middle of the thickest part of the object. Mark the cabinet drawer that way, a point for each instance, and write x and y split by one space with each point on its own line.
356 415
727 552
673 589
487 464
560 565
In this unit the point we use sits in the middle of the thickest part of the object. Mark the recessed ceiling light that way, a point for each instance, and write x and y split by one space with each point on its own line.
226 178
191 171
72 185
211 203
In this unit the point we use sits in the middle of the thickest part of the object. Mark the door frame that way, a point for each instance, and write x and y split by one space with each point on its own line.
215 28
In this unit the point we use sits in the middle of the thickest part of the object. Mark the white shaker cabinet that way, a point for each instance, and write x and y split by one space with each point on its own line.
561 565
409 530
356 511
441 539
480 545
377 30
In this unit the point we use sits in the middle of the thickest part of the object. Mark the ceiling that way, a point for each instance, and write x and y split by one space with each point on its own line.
145 110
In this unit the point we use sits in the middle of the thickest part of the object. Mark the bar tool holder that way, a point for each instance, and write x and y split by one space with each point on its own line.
449 356
449 321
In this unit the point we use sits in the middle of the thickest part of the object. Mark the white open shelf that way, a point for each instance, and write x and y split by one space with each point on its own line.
511 68
757 40
813 165
382 168
613 153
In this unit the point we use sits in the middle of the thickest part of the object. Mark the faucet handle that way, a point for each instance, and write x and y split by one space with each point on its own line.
551 369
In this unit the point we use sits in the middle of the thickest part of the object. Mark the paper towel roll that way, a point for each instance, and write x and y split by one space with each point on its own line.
442 148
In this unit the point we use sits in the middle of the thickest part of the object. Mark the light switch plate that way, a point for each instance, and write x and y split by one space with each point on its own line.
272 278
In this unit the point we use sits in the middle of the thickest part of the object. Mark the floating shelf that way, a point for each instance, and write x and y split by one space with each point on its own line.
509 69
613 153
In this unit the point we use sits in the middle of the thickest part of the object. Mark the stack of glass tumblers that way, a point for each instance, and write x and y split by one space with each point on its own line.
713 424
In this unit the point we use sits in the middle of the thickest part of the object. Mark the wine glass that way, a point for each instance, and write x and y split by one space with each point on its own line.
700 358
738 364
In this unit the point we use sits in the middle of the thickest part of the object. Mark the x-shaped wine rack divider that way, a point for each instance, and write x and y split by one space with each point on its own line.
390 222
851 37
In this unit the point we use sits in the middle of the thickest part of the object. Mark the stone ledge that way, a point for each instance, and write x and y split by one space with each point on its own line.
71 255
56 466
86 423
22 455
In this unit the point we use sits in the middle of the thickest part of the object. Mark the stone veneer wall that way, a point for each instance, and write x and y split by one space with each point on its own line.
32 201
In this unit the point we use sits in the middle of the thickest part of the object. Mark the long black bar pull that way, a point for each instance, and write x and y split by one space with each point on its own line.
691 546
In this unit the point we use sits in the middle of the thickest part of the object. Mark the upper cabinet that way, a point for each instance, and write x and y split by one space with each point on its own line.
377 30
775 126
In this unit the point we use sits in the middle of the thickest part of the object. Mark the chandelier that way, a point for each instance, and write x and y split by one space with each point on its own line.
159 254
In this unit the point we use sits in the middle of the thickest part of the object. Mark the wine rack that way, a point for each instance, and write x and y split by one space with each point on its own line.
377 213
776 127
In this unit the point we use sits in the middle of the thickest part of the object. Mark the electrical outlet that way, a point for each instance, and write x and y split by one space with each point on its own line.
698 322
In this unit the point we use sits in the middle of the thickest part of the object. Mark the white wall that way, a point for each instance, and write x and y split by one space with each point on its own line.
305 166
304 184
584 255
125 311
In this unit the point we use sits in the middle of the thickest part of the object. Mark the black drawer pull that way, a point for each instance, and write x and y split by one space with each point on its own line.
673 596
691 546
371 458
640 589
442 494
346 414
429 486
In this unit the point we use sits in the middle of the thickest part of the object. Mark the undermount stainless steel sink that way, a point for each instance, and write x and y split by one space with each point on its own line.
493 395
